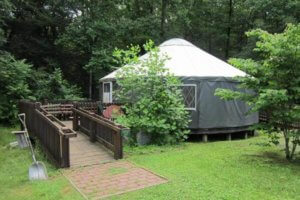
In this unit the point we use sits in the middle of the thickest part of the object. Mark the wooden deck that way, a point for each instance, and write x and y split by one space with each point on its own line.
84 153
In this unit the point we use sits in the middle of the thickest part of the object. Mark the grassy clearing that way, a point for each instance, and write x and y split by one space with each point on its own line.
239 169
14 181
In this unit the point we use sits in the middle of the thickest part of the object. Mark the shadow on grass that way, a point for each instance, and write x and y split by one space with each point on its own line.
273 158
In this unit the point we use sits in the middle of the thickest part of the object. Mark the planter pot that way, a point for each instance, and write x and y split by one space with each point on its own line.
143 138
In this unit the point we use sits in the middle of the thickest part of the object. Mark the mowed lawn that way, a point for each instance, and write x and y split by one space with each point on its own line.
240 169
14 183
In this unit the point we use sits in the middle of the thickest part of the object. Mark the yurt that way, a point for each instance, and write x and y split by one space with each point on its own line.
201 74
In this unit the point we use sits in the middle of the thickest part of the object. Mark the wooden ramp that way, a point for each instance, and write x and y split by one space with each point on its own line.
84 153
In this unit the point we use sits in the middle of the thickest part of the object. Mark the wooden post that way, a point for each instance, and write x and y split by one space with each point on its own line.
65 160
204 138
37 105
93 131
246 135
75 118
229 136
75 121
118 150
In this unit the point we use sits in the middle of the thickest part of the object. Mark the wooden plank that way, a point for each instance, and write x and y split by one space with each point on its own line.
105 143
84 130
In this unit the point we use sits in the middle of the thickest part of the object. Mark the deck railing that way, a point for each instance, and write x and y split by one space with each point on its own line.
100 129
265 118
63 108
52 133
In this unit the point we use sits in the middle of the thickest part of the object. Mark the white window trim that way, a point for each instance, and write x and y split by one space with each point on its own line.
195 86
111 91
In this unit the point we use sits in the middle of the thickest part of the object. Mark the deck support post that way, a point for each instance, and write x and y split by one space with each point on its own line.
204 138
93 127
118 150
229 137
65 151
246 135
75 121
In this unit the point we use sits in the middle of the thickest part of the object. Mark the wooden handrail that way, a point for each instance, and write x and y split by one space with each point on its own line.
53 137
99 129
89 116
265 118
63 131
102 118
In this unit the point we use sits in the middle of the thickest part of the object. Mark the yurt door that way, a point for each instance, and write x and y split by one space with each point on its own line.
107 92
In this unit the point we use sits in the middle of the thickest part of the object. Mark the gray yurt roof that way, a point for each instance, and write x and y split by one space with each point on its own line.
187 60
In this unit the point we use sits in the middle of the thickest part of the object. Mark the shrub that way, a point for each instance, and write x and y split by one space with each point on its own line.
19 81
152 101
52 86
13 86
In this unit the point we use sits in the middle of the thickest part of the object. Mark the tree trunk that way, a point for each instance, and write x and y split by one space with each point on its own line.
287 145
163 18
228 30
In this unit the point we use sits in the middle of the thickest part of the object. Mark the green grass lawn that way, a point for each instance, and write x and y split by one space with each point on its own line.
239 169
14 183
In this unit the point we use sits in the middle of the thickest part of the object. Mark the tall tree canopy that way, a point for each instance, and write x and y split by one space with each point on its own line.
79 36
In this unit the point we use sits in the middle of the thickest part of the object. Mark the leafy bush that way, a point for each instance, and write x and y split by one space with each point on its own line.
152 101
13 86
19 81
53 86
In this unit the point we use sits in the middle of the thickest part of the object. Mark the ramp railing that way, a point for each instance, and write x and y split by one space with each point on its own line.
100 129
51 133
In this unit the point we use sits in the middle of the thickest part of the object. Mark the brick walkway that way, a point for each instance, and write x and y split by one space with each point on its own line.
99 181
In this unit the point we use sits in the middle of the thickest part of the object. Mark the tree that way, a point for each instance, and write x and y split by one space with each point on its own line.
153 103
275 80
230 11
13 86
52 86
80 36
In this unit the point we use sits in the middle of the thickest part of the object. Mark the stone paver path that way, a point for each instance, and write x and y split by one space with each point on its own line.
100 181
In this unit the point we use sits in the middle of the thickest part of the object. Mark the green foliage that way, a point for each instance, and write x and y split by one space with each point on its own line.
6 8
13 86
275 80
152 102
53 86
19 81
80 35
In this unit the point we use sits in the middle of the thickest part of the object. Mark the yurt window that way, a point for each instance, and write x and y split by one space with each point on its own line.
107 92
189 96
